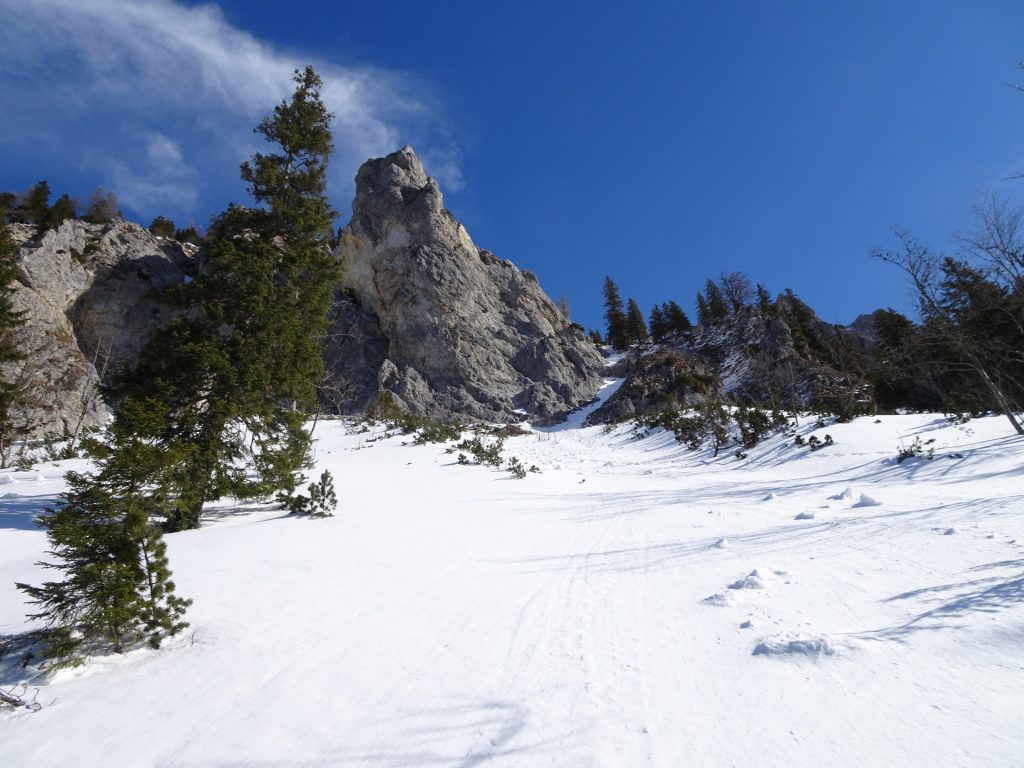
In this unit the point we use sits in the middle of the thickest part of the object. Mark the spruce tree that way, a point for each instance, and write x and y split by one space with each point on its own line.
764 300
63 209
236 375
717 307
10 320
161 226
676 321
658 326
117 590
36 203
635 325
703 314
615 316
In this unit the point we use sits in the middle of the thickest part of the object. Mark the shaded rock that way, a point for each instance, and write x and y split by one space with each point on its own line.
457 332
91 294
662 380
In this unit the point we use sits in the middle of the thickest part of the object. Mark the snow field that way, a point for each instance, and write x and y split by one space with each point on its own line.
635 604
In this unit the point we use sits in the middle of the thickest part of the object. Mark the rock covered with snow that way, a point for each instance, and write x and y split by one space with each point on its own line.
442 327
91 297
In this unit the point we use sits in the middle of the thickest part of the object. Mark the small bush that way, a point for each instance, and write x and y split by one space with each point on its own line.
915 450
481 452
321 501
516 468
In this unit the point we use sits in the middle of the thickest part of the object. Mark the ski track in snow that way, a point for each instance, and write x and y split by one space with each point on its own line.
635 604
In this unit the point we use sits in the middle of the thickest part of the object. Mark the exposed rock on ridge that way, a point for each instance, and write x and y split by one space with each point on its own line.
90 293
447 329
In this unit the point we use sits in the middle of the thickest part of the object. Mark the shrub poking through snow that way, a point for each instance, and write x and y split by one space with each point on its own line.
915 450
516 468
321 502
479 451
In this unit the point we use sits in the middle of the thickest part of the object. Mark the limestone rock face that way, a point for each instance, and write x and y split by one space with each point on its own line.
453 331
90 293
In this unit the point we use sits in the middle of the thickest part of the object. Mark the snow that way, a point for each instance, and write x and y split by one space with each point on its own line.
456 616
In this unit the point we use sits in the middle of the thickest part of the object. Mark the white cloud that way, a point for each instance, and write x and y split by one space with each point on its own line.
112 71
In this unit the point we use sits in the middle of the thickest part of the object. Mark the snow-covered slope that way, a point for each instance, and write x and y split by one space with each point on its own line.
635 604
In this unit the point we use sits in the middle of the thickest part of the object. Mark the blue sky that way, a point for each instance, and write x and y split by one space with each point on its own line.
656 142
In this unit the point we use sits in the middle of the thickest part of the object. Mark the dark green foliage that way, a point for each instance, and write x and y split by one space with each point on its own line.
636 328
657 324
63 209
615 317
516 468
703 314
10 320
915 450
162 227
188 235
235 374
117 589
35 205
676 321
321 502
717 307
425 429
764 300
479 451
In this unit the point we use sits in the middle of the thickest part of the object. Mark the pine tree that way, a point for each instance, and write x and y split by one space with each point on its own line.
117 590
703 314
764 300
658 326
717 307
161 226
63 209
635 325
615 316
10 320
234 376
675 319
36 203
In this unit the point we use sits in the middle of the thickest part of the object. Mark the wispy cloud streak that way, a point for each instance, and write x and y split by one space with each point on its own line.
148 92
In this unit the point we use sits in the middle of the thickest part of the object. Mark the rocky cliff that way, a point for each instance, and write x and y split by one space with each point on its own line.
442 327
91 294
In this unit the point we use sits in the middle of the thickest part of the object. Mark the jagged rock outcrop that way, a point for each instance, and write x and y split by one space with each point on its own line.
91 297
447 329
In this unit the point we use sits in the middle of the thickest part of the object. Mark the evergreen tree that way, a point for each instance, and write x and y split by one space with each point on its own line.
615 316
676 321
10 319
658 326
764 300
717 307
703 314
117 589
63 209
35 204
234 376
162 227
636 328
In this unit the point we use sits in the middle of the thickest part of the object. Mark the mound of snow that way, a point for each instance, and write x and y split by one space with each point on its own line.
753 580
721 544
805 516
800 646
721 599
846 495
867 501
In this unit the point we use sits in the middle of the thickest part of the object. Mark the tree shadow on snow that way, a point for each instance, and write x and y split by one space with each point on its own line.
990 594
19 511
